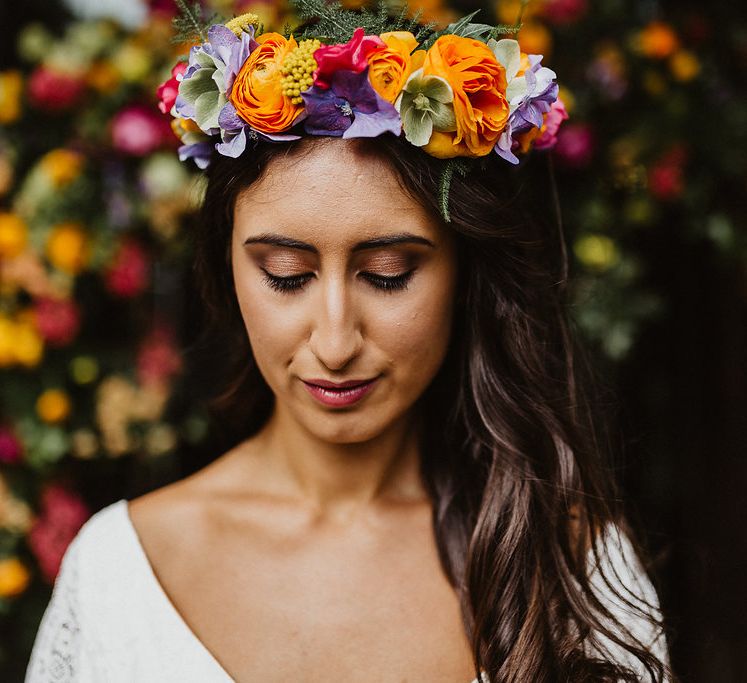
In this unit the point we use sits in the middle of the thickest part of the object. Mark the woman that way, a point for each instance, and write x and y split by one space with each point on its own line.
420 494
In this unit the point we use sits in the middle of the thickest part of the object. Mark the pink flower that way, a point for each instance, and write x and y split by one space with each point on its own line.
11 449
563 11
158 359
350 56
549 136
168 90
575 146
138 131
62 514
57 320
129 273
48 89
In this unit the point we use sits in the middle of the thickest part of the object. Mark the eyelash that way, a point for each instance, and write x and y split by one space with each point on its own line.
288 285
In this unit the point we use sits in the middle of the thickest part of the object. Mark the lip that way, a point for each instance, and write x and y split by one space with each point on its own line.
339 393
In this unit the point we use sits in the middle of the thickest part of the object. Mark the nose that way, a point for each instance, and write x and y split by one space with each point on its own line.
336 336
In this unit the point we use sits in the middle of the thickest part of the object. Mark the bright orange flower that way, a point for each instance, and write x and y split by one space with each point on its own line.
257 92
388 69
480 106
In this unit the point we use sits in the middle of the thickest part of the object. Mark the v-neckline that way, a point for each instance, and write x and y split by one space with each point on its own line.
166 600
163 595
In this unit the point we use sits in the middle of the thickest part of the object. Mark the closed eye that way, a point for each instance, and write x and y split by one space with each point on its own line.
292 283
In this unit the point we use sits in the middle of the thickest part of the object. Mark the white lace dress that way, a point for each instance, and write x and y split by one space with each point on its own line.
110 621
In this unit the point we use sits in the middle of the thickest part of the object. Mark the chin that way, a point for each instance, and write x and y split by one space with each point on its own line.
345 427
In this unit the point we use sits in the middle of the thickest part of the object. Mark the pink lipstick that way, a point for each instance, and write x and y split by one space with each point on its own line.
339 394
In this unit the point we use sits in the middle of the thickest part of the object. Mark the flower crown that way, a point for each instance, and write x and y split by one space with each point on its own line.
456 93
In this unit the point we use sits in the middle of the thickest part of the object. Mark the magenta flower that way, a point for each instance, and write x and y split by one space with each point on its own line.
57 320
575 146
549 137
54 91
62 514
350 56
139 131
158 359
168 90
129 273
10 447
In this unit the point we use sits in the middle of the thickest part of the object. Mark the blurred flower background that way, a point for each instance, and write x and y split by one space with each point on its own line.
97 311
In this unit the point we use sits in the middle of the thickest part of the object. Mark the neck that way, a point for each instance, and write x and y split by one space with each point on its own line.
339 479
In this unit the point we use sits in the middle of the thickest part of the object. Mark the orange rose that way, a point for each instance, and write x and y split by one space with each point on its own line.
389 68
257 92
480 106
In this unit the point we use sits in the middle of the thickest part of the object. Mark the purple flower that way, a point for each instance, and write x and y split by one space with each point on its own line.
350 108
212 69
235 132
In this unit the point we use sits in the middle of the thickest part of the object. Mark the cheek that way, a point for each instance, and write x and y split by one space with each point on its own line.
273 329
414 333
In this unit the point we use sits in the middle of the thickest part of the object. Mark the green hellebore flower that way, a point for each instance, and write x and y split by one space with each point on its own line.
425 105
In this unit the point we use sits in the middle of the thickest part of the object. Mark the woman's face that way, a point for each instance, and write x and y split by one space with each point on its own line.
342 277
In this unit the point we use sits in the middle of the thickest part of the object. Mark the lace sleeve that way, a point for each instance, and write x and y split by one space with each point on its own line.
622 586
57 648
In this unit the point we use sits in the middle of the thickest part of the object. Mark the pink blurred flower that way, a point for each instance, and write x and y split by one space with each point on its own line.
563 11
11 449
129 273
575 145
549 136
138 131
61 516
57 320
158 359
350 56
168 90
49 89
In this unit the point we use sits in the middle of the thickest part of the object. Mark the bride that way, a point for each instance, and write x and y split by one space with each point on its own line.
420 494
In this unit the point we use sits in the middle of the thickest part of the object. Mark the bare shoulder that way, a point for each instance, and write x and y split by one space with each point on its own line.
161 516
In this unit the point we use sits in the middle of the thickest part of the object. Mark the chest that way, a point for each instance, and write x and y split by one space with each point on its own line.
355 609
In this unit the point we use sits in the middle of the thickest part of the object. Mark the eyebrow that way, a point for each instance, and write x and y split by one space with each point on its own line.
385 241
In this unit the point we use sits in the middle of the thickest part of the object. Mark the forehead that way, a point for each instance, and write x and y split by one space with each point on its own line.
333 193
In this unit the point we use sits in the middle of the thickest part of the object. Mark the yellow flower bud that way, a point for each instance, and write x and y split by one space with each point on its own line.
13 235
68 248
53 406
14 577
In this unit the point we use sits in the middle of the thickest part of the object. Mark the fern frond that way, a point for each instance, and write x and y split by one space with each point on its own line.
460 165
190 25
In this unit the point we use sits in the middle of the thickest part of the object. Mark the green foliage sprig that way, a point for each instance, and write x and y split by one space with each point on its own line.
190 25
331 22
461 166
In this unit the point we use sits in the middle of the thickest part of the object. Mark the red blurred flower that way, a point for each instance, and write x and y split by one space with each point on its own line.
11 449
57 320
166 8
137 130
168 90
62 514
129 273
350 56
666 177
158 359
563 11
49 89
575 145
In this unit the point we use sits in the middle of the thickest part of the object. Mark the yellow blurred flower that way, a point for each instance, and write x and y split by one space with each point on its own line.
133 62
684 65
27 346
68 248
11 87
53 405
103 77
568 98
6 174
597 252
14 577
508 11
535 39
658 40
62 166
13 235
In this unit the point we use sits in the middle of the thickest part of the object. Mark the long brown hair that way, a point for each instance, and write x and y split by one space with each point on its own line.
512 454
